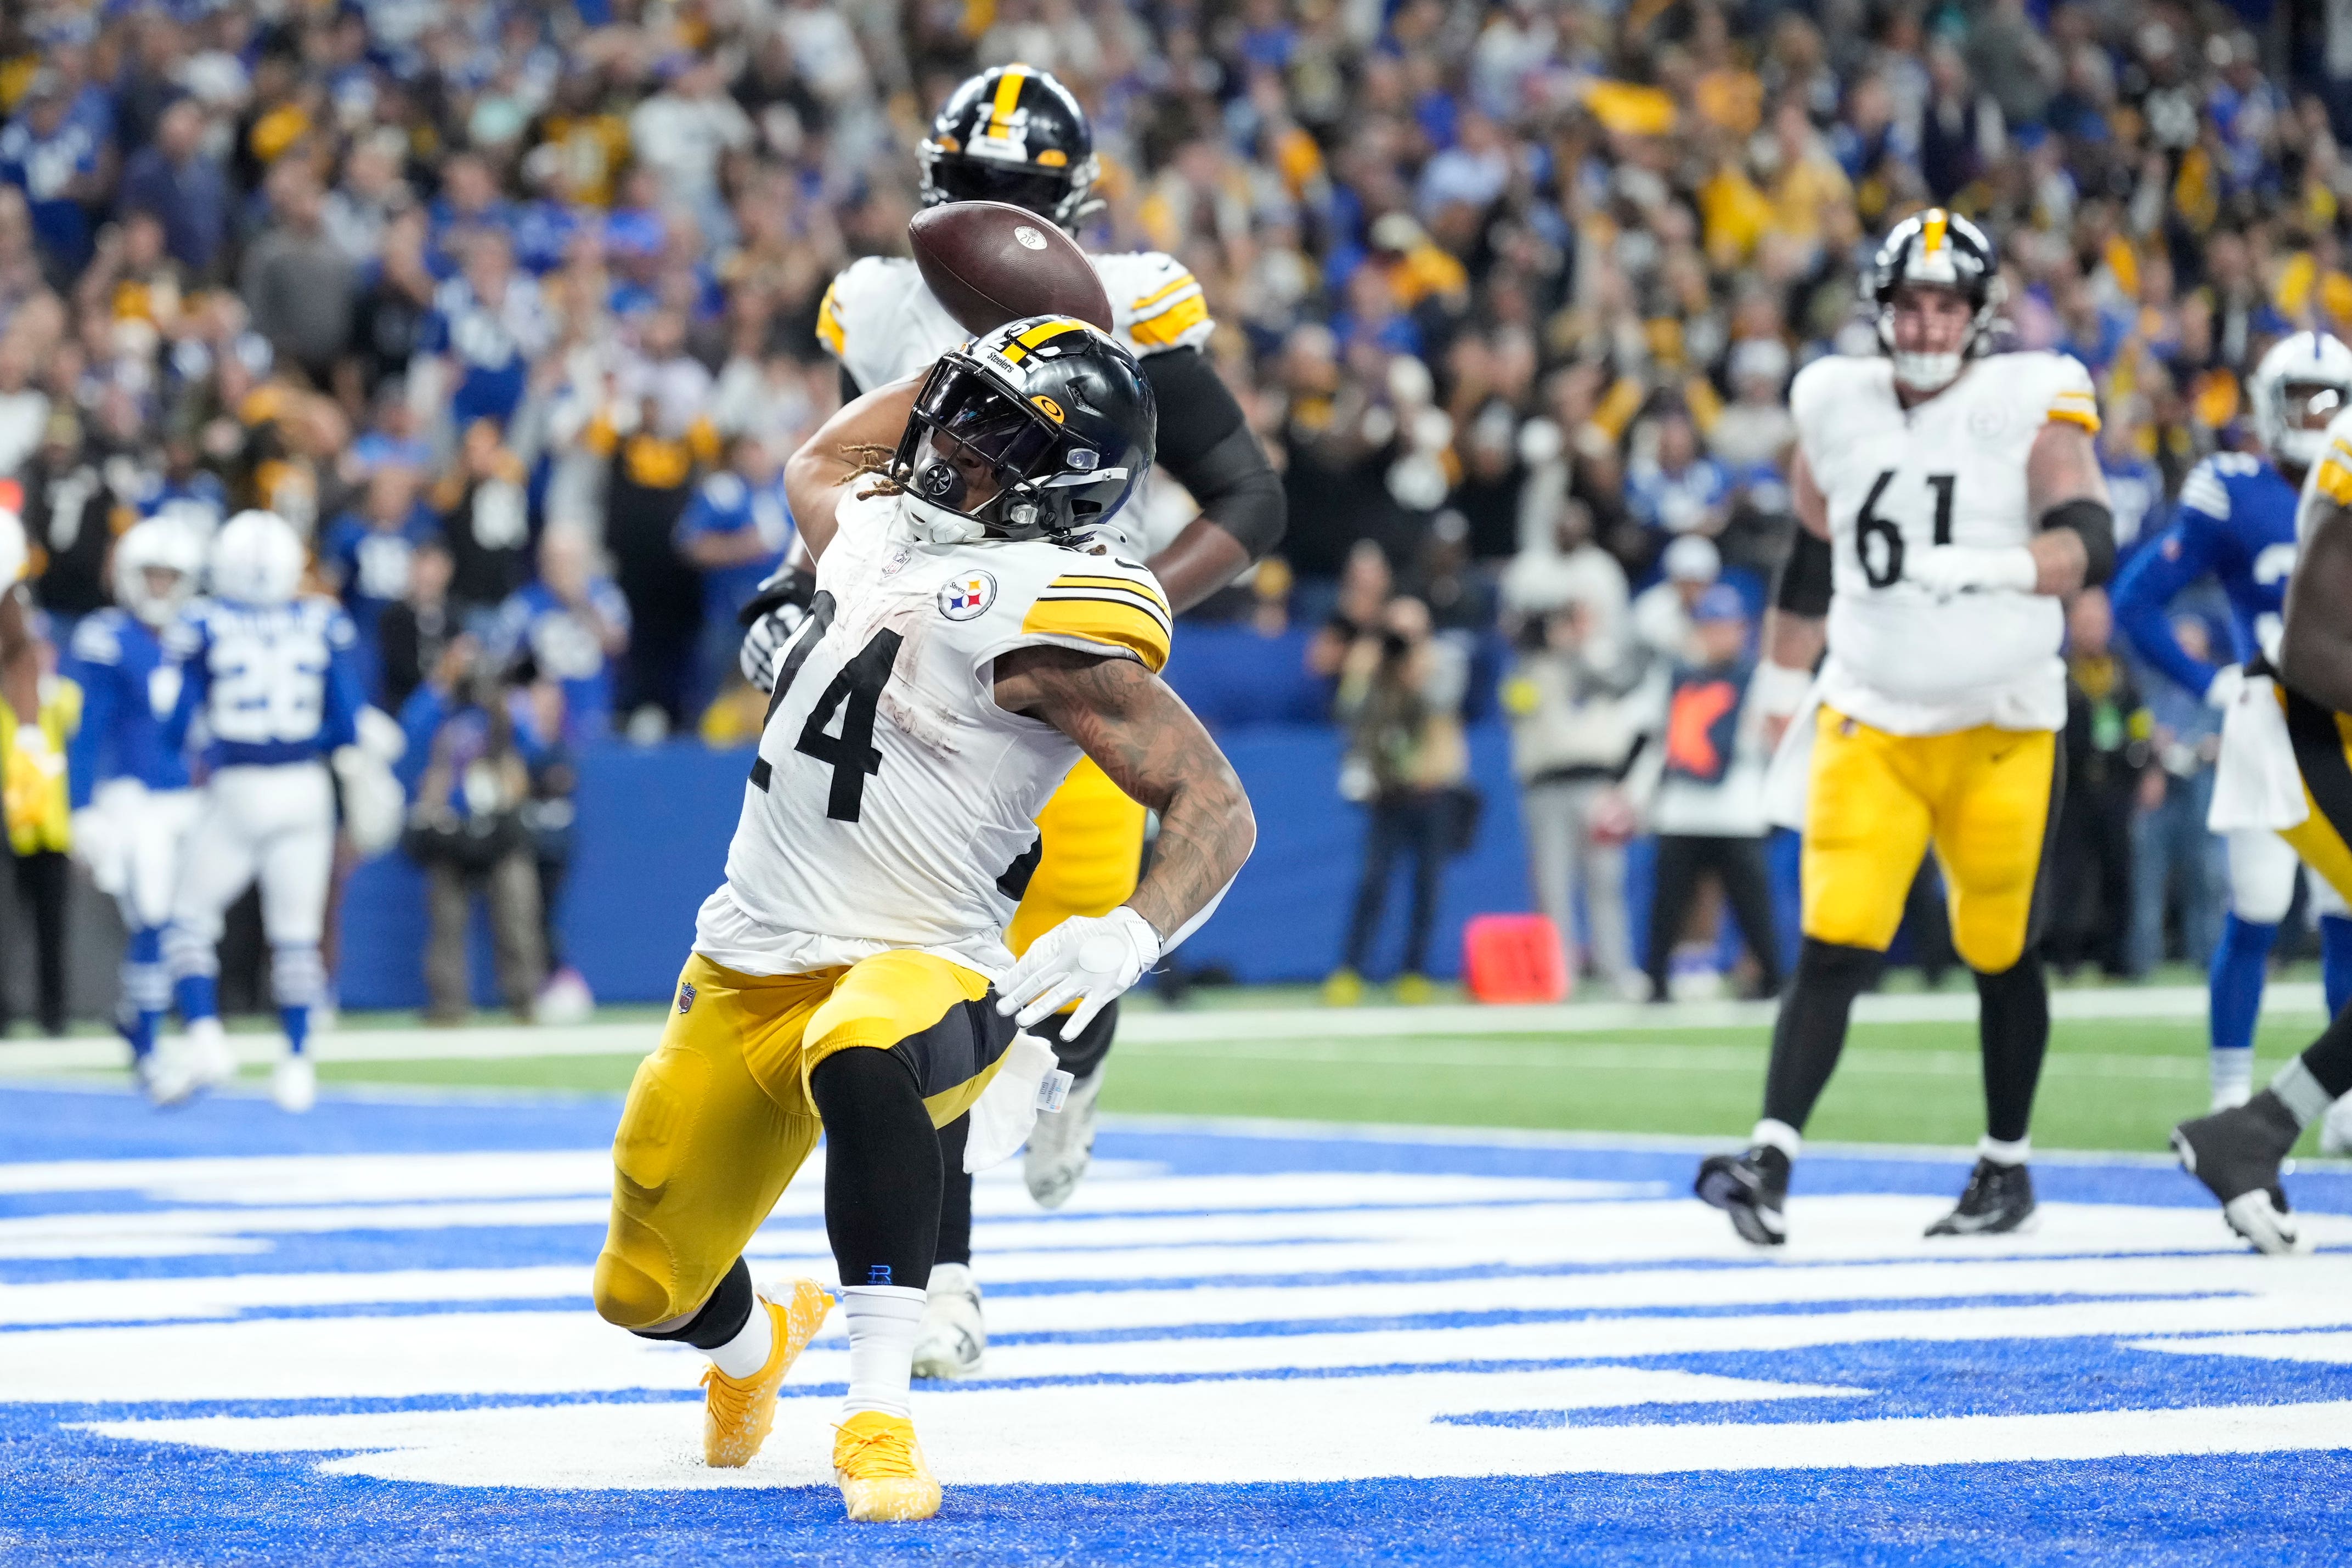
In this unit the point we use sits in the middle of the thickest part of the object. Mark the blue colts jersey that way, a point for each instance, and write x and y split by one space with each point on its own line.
2235 524
129 689
273 683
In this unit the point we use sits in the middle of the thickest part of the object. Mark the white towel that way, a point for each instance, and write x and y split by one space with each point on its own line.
1788 781
2255 782
1028 1080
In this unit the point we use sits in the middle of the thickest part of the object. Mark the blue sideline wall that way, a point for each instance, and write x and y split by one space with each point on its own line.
654 826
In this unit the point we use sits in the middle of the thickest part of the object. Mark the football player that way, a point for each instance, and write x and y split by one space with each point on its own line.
1950 497
2236 524
272 673
33 763
131 800
2238 1151
1015 134
971 631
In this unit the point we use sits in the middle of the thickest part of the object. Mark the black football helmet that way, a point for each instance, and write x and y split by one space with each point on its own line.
1943 250
1041 429
1015 135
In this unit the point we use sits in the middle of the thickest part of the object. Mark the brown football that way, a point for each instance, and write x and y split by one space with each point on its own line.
990 263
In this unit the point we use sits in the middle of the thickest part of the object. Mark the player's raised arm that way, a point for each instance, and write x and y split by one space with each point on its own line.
847 450
2316 650
1206 442
1143 736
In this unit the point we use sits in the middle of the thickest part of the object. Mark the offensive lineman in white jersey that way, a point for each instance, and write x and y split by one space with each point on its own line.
1947 498
271 674
969 637
1015 135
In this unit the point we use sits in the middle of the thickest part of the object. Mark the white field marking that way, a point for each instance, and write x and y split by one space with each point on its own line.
547 1352
1858 1246
1142 1027
104 1233
2334 1349
1612 1055
1323 1430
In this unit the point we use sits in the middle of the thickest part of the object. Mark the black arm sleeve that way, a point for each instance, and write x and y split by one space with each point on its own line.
2097 524
1805 577
850 390
1208 446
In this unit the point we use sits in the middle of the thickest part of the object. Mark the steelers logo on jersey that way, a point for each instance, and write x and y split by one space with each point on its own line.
969 595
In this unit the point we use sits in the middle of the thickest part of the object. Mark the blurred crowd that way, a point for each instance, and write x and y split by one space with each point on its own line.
510 308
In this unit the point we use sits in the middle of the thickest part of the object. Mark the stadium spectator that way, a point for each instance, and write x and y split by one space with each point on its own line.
298 281
734 532
486 517
369 553
572 623
413 632
172 180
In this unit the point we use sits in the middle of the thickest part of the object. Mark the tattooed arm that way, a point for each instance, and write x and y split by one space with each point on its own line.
847 451
1127 719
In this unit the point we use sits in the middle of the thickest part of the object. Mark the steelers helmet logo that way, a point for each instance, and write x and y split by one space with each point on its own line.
967 594
1048 408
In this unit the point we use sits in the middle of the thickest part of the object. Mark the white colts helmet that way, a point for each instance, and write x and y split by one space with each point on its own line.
2306 376
156 544
257 559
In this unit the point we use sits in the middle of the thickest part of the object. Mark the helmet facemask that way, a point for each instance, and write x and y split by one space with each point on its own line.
1061 196
1935 250
976 462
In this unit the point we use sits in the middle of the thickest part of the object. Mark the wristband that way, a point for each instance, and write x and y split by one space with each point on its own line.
1778 690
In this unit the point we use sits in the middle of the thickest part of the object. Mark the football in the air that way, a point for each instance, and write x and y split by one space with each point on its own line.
990 263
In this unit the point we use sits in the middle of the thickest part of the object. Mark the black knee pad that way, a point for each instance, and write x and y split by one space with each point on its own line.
1080 1057
722 1317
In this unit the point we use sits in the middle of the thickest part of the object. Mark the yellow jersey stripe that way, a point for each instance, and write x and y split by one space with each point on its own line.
1008 99
1169 327
2087 417
829 330
1184 281
1110 595
2334 480
1082 580
1113 623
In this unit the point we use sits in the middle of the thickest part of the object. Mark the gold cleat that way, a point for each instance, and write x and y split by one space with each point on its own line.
879 1468
736 1415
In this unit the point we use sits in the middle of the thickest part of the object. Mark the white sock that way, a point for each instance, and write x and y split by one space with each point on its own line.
1774 1134
1991 1148
882 1319
2233 1076
748 1352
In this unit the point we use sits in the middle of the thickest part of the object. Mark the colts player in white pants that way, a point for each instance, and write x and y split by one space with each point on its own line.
271 675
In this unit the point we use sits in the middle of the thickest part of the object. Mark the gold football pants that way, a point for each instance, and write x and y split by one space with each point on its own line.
2323 755
1984 797
1092 854
719 1117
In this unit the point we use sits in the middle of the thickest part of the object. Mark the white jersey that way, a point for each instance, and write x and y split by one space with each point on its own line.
894 805
1950 470
881 320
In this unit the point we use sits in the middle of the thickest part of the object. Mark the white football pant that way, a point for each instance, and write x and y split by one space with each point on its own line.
277 824
2262 870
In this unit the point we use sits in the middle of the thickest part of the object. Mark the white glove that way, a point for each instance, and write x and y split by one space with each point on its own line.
1088 959
763 639
2223 689
1947 569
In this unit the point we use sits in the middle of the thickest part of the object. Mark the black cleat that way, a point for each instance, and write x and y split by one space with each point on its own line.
2238 1153
1998 1199
1752 1188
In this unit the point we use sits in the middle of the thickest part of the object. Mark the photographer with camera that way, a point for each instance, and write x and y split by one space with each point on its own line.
468 829
1400 695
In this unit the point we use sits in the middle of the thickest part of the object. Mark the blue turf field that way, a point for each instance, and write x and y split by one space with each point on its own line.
364 1336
